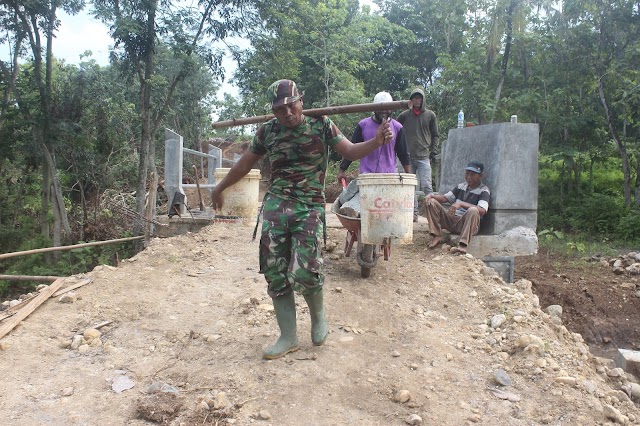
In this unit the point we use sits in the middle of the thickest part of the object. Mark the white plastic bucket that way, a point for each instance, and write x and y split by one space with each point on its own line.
240 199
386 200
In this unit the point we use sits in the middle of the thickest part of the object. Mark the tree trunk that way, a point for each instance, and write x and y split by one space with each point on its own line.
58 199
505 57
637 189
57 231
622 150
145 72
46 197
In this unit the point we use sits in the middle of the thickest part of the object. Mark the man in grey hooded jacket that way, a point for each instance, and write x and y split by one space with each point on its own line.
421 131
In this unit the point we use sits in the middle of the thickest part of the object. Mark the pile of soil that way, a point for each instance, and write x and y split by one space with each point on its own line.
600 305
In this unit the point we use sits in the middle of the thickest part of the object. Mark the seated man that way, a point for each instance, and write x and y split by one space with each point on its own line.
382 160
469 202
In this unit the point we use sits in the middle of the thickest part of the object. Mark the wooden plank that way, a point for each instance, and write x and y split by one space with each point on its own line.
32 306
73 287
6 315
102 324
12 311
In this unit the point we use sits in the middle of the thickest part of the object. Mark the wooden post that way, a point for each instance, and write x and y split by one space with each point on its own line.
195 170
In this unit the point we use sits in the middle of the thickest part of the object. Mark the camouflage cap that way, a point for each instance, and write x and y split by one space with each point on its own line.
283 92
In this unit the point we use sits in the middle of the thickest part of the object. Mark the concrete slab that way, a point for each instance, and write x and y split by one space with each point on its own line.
503 265
510 155
629 361
193 221
519 241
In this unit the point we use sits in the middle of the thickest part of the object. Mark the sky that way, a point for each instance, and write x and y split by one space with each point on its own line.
81 32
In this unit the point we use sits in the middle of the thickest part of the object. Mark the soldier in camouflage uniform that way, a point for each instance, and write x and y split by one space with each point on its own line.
293 208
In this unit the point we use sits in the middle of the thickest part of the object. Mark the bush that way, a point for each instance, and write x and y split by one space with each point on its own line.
628 227
595 214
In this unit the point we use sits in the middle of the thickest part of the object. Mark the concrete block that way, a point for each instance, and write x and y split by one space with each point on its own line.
499 221
519 241
629 361
173 157
170 227
510 154
503 265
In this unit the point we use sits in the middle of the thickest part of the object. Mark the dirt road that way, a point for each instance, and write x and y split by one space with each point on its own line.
426 340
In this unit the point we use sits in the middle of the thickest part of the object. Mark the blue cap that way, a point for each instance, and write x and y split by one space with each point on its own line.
475 166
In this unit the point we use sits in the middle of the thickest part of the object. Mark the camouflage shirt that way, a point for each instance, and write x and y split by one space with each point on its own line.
298 157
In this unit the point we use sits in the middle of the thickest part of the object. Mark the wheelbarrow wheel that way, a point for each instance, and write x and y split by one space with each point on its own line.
367 257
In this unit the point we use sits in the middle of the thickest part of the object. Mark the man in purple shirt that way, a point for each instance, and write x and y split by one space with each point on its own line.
383 159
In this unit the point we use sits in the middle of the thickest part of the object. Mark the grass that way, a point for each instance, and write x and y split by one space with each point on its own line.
579 246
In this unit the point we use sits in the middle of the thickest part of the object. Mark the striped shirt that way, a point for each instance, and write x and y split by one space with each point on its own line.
479 196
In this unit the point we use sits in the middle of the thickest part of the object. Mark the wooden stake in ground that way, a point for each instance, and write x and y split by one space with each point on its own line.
317 112
195 170
32 306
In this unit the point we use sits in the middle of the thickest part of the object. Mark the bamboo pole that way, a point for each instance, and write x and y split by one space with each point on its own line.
316 112
44 278
63 248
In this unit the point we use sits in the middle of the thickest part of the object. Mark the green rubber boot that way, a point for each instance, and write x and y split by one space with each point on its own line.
319 326
285 307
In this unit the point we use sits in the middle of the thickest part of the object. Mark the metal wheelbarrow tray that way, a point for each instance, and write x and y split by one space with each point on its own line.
367 254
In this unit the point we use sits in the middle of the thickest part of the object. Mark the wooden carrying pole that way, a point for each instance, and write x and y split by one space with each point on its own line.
316 112
63 248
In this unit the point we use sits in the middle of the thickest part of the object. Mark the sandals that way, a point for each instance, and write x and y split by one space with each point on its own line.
458 250
435 242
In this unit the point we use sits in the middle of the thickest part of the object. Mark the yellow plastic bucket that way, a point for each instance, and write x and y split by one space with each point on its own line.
386 202
240 199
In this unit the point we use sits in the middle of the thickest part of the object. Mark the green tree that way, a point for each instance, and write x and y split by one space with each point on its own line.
36 23
139 30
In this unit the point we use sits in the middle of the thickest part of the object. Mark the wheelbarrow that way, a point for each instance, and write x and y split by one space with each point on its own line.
366 254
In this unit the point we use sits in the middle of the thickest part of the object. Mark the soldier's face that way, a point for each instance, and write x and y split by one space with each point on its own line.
289 115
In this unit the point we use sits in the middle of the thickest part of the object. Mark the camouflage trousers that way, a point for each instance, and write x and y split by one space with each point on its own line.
290 252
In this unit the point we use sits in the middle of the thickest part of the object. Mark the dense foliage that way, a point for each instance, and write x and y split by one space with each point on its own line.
80 145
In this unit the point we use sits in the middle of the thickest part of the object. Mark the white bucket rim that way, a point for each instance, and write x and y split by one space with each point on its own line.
253 173
387 178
